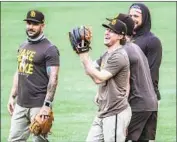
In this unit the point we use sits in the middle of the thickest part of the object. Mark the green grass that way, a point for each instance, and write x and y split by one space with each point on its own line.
73 105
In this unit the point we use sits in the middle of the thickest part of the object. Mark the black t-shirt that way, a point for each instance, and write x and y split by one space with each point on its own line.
142 96
33 60
152 48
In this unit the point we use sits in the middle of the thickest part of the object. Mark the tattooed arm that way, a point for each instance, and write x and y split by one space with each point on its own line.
52 72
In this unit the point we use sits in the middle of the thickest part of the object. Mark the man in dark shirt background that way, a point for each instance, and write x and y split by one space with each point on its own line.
147 41
142 97
35 80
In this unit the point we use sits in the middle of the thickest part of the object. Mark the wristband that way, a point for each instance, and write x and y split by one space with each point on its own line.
48 104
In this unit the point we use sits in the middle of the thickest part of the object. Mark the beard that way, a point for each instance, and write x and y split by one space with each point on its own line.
34 35
137 27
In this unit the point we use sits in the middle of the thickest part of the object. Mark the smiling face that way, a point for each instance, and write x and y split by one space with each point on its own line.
34 29
110 37
136 15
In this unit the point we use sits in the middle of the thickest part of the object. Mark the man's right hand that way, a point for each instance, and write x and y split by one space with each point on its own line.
11 105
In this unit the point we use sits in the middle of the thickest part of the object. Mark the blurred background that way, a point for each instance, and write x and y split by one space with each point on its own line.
73 105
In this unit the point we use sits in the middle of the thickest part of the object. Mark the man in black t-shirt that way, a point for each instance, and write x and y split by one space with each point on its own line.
35 81
142 97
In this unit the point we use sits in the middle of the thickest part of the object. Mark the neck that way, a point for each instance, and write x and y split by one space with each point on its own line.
39 38
114 47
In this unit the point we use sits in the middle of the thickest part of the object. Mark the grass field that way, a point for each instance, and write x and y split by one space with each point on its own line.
73 106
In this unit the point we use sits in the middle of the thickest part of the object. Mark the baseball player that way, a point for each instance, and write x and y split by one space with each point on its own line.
114 112
35 80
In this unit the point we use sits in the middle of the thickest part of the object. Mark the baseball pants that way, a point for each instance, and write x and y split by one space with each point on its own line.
20 121
110 129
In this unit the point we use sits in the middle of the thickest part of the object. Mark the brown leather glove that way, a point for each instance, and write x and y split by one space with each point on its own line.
42 122
80 39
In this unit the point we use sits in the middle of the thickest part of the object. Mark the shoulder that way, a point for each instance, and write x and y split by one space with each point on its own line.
23 44
153 38
120 55
130 47
47 43
136 48
154 41
131 44
50 46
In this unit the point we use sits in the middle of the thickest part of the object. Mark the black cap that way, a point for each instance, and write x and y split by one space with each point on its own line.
127 20
117 26
35 16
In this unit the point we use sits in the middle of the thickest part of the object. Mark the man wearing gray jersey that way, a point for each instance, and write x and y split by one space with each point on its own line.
114 112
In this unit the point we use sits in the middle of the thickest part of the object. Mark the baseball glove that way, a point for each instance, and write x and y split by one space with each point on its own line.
80 39
42 126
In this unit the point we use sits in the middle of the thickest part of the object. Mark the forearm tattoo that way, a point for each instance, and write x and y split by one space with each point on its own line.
48 70
52 85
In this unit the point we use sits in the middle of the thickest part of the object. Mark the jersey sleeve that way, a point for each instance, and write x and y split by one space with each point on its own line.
115 63
98 61
52 56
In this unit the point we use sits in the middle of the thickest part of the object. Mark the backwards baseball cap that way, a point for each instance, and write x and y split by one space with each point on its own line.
117 26
35 16
127 20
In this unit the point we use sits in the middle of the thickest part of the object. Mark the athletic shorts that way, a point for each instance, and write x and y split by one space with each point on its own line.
142 126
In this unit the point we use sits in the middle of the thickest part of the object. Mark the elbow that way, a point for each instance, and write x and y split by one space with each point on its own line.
56 83
98 81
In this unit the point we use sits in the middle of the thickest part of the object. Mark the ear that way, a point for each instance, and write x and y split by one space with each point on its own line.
43 26
120 36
